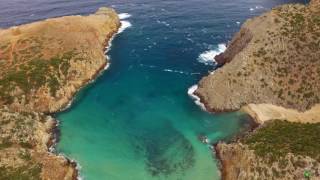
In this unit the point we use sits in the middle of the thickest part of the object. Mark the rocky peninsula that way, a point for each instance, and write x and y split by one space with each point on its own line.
271 70
43 64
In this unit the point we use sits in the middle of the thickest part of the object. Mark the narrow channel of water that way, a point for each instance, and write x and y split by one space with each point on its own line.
137 122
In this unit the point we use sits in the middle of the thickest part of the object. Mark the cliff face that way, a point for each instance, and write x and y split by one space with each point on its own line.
272 71
44 63
273 59
24 140
239 162
276 150
238 43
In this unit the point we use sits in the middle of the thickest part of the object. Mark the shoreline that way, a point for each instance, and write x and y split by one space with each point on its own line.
253 124
242 85
262 113
55 132
195 97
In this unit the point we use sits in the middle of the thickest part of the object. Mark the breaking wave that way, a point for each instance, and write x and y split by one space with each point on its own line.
207 57
124 16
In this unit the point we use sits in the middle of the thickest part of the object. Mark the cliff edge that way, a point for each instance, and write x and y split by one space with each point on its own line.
42 65
271 71
274 59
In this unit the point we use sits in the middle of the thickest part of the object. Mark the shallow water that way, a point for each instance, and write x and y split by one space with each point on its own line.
136 121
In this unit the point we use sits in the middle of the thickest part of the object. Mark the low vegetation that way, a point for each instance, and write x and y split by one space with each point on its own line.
288 55
27 172
36 73
278 138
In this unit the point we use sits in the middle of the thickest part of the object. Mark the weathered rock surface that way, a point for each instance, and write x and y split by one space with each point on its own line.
44 63
239 42
24 139
238 162
271 71
274 59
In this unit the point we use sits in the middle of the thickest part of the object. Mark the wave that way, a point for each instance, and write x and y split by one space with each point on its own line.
148 66
124 16
207 57
124 26
175 71
256 8
180 72
196 99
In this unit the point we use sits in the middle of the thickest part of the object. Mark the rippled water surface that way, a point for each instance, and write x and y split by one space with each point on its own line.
136 121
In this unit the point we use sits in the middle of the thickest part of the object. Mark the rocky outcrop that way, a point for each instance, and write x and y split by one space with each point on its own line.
271 71
239 42
24 139
274 59
45 63
239 162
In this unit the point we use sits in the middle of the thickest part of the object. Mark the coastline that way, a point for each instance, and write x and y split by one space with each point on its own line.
226 92
55 133
254 124
106 48
262 113
98 72
195 98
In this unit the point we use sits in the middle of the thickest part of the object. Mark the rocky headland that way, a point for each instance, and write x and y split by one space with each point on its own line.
43 64
271 70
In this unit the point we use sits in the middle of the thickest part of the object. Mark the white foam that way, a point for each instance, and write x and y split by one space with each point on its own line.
176 71
259 7
196 99
207 57
124 26
106 66
168 70
256 8
124 16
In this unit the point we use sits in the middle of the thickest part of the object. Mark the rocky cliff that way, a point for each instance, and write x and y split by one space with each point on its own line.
273 152
43 64
274 59
24 141
272 71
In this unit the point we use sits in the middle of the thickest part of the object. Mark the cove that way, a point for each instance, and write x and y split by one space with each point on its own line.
136 121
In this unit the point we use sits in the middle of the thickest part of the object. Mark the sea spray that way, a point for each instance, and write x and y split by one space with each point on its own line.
208 56
196 99
124 16
124 25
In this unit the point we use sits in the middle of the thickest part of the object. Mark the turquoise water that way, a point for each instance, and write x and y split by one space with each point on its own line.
136 121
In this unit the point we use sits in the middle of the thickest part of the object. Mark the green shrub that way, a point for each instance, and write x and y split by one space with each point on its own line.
278 138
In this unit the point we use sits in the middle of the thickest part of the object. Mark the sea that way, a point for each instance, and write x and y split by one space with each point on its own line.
136 121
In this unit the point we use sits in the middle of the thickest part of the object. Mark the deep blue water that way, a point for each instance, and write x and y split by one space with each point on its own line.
136 121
